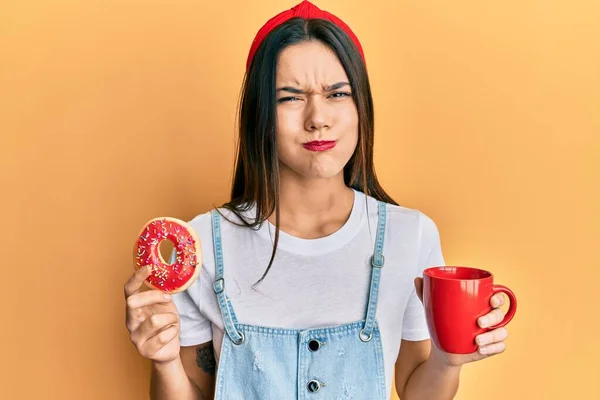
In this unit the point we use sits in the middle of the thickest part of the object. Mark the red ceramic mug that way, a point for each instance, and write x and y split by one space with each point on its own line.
454 298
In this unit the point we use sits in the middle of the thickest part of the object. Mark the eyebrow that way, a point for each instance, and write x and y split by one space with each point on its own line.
329 88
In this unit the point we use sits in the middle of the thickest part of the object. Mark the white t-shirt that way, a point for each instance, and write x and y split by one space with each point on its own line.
315 282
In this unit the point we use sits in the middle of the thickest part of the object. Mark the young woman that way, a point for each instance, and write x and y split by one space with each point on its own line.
310 283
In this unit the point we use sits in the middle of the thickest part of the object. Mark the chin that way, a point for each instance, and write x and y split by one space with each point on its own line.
321 176
316 167
322 173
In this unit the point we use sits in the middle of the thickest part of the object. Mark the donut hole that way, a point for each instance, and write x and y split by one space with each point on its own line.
166 250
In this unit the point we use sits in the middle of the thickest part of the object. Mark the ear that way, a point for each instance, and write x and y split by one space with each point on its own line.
419 287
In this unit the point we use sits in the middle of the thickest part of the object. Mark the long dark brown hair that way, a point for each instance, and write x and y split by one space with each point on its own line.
256 174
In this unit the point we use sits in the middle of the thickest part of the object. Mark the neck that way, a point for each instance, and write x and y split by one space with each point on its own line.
312 208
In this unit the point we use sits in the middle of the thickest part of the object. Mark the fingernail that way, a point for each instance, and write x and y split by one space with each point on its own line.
484 350
483 321
167 296
479 340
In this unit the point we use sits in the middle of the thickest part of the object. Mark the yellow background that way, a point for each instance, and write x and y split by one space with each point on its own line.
114 112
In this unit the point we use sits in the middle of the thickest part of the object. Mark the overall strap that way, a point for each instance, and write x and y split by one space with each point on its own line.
377 261
229 318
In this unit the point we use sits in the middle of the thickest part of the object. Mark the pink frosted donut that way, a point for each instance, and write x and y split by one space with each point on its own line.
171 278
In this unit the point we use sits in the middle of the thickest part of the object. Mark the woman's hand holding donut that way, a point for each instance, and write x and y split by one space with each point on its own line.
151 319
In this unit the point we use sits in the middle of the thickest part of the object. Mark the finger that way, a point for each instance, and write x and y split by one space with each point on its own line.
152 326
151 346
495 336
492 318
419 288
147 298
497 300
135 281
495 348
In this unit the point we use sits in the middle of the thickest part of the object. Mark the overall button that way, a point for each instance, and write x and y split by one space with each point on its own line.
314 386
314 345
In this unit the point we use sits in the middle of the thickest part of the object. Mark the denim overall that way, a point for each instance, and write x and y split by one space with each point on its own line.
336 363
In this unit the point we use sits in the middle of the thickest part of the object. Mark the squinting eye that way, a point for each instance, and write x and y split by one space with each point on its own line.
340 94
287 99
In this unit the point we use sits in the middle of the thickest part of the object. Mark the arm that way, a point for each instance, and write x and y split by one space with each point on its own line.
191 376
422 374
425 372
201 367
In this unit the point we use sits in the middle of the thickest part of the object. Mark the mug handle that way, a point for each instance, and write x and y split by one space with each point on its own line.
512 308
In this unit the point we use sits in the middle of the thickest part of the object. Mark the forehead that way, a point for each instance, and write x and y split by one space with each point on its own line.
309 62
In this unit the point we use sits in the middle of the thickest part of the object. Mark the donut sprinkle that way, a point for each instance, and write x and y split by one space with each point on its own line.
183 270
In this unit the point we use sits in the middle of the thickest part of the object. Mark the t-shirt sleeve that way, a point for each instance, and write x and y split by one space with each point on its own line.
414 324
194 328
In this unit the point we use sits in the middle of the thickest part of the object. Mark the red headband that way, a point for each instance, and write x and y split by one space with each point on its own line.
306 10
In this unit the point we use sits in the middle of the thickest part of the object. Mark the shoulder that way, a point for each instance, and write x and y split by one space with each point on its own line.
232 233
202 225
418 219
410 221
411 230
229 222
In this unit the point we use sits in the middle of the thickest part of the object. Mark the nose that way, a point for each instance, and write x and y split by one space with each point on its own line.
318 115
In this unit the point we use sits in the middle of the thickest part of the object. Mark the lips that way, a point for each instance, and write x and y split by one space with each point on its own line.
319 145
